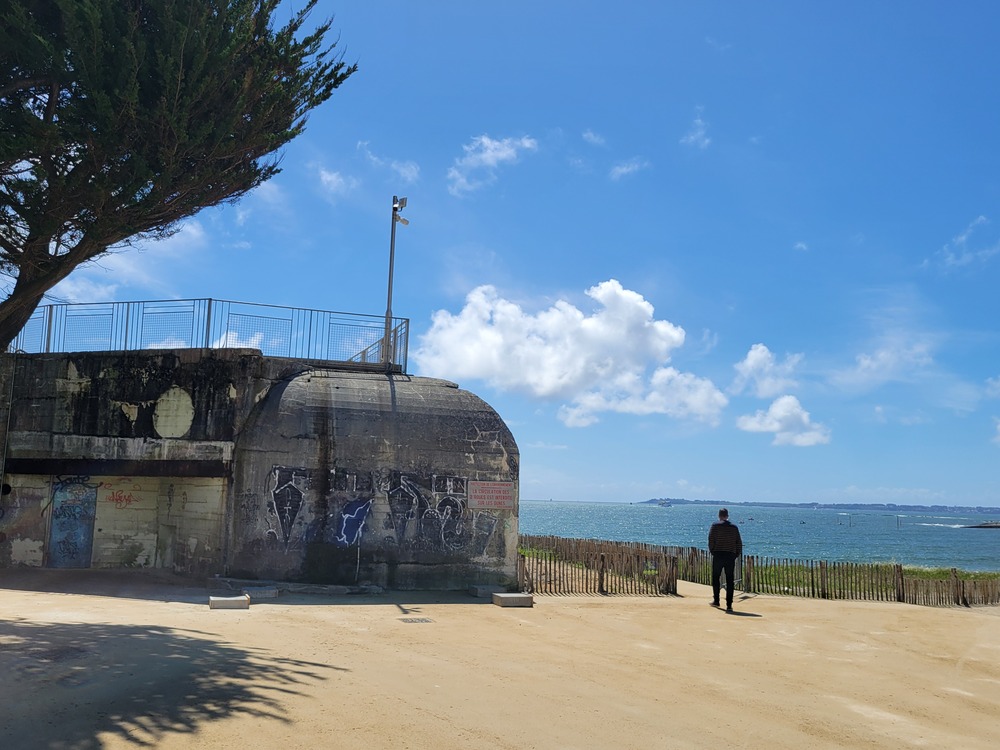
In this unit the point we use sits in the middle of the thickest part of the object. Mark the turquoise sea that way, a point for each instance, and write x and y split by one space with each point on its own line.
933 539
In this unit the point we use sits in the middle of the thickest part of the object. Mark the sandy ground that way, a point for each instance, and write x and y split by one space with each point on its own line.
90 660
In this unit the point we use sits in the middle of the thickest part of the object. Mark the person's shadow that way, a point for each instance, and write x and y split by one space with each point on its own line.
739 613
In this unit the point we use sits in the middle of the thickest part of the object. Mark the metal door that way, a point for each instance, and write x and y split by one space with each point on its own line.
71 532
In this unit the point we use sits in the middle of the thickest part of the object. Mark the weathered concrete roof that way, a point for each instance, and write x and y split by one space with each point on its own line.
379 413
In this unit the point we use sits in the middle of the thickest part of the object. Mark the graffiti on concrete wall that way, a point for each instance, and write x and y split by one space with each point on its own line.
350 508
122 498
71 533
285 503
352 522
285 500
246 504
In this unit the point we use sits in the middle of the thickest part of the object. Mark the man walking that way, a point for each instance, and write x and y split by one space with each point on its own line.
725 545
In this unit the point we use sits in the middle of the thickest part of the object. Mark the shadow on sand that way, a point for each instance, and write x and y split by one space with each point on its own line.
156 585
67 685
148 585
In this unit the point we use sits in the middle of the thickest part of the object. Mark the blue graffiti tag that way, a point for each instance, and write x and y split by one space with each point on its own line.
352 522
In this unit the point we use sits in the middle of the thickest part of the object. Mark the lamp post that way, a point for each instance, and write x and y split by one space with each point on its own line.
398 204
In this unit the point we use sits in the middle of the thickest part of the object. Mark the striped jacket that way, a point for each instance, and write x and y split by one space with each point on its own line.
725 537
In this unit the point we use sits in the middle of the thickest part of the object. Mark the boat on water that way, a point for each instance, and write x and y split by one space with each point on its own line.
985 525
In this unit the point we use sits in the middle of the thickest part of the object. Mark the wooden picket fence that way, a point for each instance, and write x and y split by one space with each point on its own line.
864 581
557 565
823 580
953 592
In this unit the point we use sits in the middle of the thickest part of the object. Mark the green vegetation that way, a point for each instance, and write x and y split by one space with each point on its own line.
944 574
119 118
537 554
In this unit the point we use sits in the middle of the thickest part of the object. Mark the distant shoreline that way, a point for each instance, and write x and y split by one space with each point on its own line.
828 506
892 507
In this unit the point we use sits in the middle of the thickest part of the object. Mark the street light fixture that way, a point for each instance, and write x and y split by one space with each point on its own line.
398 204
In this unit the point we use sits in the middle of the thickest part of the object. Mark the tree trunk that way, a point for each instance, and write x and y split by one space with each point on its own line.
17 309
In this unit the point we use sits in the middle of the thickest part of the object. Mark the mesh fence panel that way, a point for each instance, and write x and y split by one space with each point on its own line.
271 335
32 337
347 342
218 324
162 330
88 330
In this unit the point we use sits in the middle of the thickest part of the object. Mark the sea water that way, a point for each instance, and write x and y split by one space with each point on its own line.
932 539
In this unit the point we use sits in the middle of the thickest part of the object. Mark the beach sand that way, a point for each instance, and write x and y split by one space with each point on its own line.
95 660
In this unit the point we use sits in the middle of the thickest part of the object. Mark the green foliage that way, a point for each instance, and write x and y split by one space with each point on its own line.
538 554
944 574
118 118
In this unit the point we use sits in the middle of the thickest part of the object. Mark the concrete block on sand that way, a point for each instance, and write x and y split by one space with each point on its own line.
229 602
513 600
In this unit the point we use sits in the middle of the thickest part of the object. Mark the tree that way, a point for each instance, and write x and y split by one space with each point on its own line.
119 118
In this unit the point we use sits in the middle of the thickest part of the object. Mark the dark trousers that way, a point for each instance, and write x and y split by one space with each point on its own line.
724 561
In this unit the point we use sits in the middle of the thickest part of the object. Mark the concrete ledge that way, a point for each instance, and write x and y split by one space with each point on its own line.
485 591
217 583
261 592
229 602
513 600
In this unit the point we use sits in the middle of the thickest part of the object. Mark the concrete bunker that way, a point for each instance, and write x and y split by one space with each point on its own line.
226 462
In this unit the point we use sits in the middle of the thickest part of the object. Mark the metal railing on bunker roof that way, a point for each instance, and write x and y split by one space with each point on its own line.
297 333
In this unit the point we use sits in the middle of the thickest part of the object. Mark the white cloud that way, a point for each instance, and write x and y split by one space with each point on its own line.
894 415
268 197
676 394
148 266
800 246
407 171
477 168
958 254
597 363
789 422
996 437
766 377
233 340
144 267
548 446
336 184
170 342
697 135
709 340
82 287
271 194
626 168
993 387
958 395
898 358
916 418
593 138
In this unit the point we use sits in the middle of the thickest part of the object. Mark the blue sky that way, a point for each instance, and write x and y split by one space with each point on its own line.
733 251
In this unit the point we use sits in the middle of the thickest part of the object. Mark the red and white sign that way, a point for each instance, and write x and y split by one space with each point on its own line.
496 495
